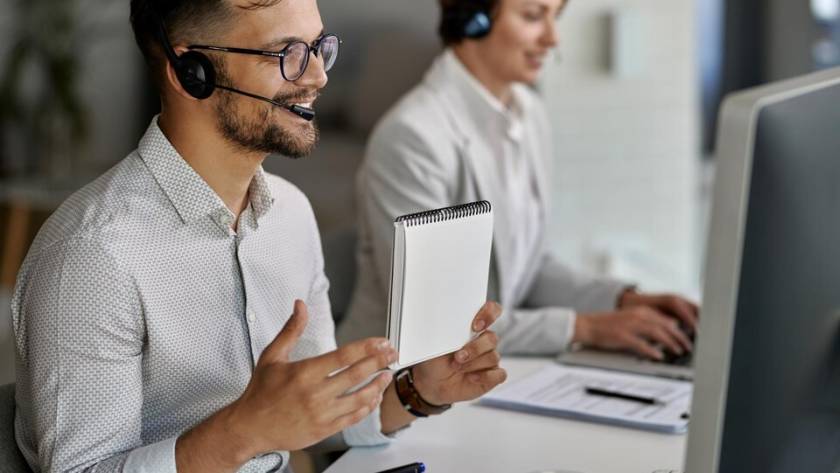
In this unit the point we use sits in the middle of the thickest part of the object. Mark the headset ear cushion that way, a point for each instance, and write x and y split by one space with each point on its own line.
478 26
196 74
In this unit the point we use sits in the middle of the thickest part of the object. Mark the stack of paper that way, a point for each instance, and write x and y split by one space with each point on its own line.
561 391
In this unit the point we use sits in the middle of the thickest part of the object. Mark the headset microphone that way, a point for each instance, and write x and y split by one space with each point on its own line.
303 112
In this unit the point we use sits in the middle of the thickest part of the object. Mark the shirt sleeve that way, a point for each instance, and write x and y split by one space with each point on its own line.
367 433
80 335
542 331
558 285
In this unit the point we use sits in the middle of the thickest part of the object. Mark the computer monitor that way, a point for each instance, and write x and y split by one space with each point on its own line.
767 373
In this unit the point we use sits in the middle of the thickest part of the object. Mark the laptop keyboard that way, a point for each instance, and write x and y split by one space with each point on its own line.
678 360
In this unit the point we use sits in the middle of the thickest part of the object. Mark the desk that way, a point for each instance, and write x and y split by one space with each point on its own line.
475 439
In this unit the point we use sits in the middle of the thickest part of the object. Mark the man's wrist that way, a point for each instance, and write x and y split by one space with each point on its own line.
411 398
393 415
215 444
242 445
424 390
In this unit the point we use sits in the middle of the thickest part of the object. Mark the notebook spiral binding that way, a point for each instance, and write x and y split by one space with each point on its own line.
448 213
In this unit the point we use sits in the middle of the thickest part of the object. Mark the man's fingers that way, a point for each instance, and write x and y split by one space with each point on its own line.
369 396
350 354
488 379
487 315
360 371
353 418
482 344
282 345
488 360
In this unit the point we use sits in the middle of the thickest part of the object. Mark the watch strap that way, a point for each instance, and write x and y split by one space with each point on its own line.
411 399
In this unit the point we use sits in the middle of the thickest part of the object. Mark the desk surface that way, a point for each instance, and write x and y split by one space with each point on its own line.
473 438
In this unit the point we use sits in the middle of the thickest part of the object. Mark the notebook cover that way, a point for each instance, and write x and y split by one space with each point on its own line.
446 268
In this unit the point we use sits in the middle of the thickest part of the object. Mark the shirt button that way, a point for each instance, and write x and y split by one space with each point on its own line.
251 316
226 220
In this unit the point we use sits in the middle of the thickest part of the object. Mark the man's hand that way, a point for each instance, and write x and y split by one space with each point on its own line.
290 405
467 373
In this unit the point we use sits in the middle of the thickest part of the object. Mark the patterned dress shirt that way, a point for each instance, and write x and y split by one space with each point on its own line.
139 312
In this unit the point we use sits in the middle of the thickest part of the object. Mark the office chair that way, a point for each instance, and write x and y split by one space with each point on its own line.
11 459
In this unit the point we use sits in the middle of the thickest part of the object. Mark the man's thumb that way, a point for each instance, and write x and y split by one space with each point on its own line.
281 347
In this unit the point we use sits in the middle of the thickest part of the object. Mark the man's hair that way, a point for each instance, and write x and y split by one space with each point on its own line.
454 15
186 21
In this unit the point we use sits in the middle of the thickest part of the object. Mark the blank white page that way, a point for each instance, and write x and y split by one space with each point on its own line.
447 265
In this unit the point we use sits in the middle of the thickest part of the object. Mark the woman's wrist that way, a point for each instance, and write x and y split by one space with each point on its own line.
582 333
626 296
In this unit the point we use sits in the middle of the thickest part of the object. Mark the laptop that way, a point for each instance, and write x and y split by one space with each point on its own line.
673 366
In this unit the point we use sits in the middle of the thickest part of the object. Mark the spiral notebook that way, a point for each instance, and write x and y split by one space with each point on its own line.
439 269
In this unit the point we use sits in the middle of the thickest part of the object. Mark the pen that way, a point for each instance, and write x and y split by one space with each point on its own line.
619 395
411 468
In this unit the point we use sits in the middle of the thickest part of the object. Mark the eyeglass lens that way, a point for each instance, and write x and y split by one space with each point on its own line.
296 57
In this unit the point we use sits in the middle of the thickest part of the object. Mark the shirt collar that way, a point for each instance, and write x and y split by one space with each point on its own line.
481 102
186 189
260 194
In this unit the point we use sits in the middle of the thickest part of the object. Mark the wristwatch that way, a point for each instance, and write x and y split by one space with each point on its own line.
411 400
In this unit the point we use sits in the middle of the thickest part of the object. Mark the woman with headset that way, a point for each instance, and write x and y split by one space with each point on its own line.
474 129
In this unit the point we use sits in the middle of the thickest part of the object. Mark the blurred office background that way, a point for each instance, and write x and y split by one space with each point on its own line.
633 91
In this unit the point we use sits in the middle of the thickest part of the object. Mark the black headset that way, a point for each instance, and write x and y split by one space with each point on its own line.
467 19
197 76
194 70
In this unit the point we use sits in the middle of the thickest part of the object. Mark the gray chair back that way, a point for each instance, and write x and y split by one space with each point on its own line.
11 460
340 268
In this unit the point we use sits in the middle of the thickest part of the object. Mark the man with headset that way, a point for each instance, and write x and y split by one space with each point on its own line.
173 314
474 129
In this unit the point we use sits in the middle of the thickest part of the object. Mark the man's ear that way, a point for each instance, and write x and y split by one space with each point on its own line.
171 77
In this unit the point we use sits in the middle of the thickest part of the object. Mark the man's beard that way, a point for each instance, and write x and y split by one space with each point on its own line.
262 134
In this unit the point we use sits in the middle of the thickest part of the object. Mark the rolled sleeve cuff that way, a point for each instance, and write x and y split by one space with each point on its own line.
367 433
568 322
155 458
560 322
544 331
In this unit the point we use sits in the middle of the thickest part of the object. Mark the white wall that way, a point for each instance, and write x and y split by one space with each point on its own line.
626 166
413 14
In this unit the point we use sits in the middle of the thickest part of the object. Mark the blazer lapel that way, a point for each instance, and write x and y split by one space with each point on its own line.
478 160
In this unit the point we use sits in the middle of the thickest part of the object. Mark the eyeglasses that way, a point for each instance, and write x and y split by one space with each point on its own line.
294 58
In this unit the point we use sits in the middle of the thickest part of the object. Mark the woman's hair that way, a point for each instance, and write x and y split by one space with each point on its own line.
456 13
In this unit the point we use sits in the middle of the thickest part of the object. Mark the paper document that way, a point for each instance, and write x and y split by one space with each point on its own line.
561 391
